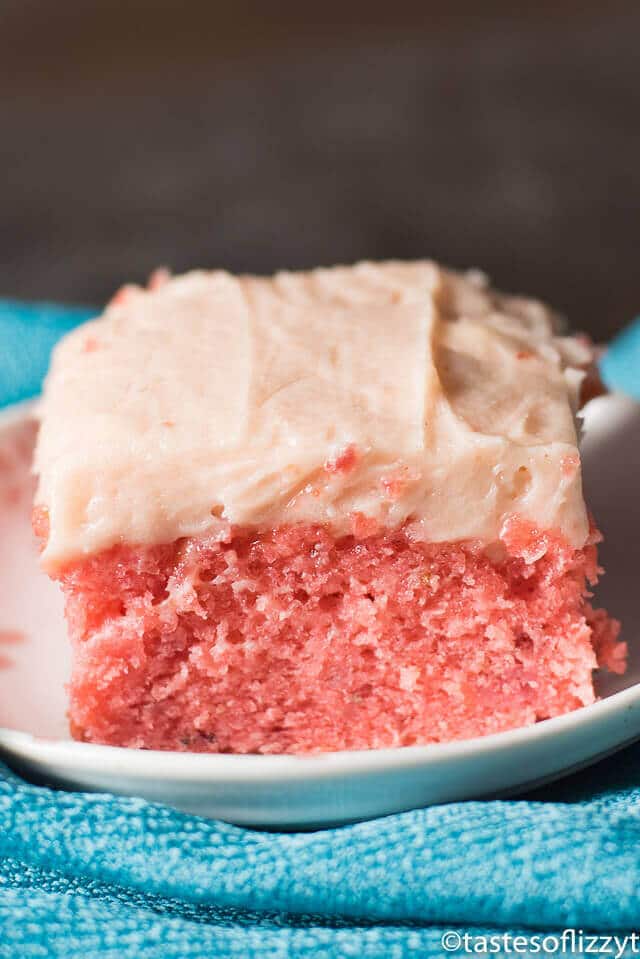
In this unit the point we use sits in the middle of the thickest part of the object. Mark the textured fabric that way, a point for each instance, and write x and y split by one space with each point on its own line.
100 877
28 333
620 365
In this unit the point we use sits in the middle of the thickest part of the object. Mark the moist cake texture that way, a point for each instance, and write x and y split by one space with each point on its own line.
337 509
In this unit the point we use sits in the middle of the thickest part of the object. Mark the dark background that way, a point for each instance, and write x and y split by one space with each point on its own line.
263 135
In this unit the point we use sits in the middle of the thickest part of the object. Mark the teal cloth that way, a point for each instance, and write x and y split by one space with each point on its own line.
620 364
28 333
100 877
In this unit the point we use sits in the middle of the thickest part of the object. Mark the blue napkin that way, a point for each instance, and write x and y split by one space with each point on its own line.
99 877
620 364
28 333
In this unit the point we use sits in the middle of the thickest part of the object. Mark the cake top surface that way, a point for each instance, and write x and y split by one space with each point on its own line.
380 393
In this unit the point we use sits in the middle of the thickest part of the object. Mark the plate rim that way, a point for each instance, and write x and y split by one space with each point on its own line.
144 765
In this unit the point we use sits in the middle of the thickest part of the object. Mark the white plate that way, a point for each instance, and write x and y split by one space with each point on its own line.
286 791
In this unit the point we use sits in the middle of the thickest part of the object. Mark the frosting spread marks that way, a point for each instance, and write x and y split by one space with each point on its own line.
377 394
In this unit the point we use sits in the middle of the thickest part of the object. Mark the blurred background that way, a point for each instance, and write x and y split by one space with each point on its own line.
256 136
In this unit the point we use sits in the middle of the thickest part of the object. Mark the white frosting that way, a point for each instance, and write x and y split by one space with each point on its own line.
222 399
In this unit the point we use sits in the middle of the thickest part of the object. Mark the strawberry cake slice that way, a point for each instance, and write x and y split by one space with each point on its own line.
330 510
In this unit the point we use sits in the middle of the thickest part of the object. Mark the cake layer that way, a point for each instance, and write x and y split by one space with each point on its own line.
295 641
400 392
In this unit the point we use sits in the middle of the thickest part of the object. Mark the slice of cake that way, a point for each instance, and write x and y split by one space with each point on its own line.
329 510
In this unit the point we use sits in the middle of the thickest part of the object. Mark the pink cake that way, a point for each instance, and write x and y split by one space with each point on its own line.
333 510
